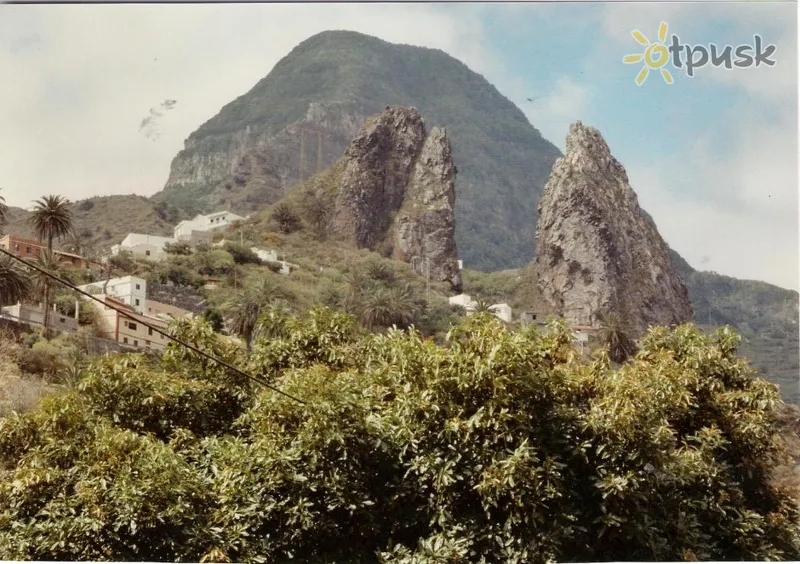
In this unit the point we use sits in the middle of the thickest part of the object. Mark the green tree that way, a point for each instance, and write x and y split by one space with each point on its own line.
500 446
3 212
615 335
244 309
317 211
47 262
51 219
13 281
285 218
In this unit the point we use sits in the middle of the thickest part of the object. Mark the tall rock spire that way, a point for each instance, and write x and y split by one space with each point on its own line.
595 251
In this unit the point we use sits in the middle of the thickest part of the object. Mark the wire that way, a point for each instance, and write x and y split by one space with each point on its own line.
152 327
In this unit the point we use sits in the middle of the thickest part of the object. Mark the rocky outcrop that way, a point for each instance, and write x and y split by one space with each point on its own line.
595 250
246 168
396 194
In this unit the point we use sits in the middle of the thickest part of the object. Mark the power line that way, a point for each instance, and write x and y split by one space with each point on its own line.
152 327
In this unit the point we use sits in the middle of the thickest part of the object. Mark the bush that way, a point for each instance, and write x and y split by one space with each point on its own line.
285 218
178 248
43 359
242 254
498 447
216 262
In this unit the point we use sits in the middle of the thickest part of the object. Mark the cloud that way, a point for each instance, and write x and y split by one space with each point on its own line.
554 111
740 204
70 120
741 208
150 124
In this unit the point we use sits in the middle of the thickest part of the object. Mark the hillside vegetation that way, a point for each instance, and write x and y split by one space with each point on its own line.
410 447
104 221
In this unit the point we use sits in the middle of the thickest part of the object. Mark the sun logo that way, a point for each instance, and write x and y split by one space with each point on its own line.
655 55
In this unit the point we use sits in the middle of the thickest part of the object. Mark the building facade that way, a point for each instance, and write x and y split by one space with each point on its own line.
129 290
204 223
29 249
143 246
33 316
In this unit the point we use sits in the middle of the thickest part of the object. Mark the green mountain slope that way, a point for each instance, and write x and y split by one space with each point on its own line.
503 161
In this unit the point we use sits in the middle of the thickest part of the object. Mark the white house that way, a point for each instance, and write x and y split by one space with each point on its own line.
463 300
211 222
460 264
145 246
128 289
501 312
33 316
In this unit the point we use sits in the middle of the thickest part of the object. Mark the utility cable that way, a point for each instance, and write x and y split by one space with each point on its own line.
152 327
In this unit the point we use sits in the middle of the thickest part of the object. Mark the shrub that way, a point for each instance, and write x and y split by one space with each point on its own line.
178 248
242 254
499 447
284 217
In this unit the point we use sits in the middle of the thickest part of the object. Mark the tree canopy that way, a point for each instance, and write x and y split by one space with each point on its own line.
502 446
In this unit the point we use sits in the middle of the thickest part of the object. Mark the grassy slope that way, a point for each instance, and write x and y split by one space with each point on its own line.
104 220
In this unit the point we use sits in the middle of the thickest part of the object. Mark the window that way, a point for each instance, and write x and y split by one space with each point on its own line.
16 247
137 301
147 344
132 326
135 343
150 331
147 254
137 287
62 320
27 250
125 340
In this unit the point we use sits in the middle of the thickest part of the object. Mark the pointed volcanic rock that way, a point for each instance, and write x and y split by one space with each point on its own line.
396 194
596 252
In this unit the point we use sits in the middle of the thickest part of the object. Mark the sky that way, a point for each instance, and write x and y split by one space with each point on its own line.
98 99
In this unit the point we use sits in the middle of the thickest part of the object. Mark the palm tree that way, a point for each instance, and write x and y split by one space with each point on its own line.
245 308
46 261
615 334
383 308
13 281
273 318
3 211
482 306
75 243
51 219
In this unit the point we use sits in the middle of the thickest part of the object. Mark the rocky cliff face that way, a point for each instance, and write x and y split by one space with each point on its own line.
595 251
396 194
251 166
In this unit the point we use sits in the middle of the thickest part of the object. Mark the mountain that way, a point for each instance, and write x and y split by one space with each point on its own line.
301 117
595 251
392 192
318 97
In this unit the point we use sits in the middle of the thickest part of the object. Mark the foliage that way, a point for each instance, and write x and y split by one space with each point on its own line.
178 248
214 318
615 334
51 218
285 218
242 254
245 308
501 446
46 265
177 273
213 262
123 261
13 281
318 211
3 211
